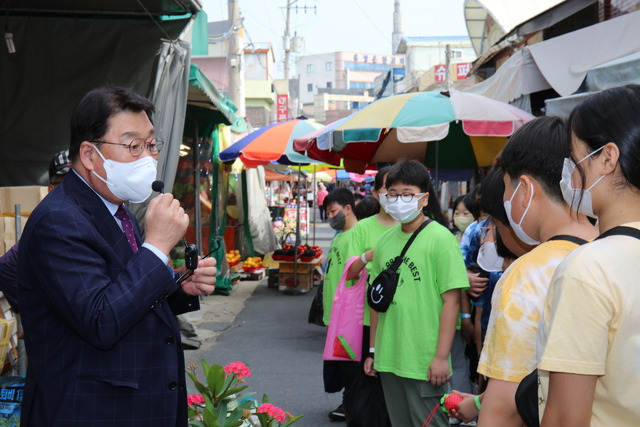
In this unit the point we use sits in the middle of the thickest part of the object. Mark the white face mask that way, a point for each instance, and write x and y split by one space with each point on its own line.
382 198
404 212
488 258
572 195
517 227
129 181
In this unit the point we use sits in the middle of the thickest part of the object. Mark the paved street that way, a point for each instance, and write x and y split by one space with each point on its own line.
271 334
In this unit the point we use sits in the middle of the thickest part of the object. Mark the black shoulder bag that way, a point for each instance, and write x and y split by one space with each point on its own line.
381 291
527 392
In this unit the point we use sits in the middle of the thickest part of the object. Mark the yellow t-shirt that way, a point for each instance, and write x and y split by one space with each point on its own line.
509 351
593 304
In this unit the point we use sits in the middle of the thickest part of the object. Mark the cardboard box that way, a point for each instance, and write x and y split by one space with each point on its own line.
287 283
302 268
6 241
8 223
27 197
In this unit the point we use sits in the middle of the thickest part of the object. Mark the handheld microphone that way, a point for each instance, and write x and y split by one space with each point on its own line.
157 186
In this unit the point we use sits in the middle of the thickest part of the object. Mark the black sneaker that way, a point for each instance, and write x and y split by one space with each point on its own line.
337 414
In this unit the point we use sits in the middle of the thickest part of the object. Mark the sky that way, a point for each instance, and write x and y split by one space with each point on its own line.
342 25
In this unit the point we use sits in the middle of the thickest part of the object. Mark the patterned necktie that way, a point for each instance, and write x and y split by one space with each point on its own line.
127 227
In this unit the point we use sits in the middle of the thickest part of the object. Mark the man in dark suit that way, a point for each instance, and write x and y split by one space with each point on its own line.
97 303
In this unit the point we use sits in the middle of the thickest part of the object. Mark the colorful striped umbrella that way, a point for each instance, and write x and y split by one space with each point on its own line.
273 143
470 129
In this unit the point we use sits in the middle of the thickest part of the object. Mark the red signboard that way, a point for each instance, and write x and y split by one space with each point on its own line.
462 70
441 73
282 109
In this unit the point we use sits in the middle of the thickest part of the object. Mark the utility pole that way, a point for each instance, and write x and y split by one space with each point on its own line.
447 64
396 36
234 56
287 42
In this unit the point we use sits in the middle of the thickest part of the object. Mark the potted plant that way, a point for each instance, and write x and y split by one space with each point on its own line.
221 402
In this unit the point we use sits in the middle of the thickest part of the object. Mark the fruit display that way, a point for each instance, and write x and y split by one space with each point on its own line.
252 264
305 253
233 257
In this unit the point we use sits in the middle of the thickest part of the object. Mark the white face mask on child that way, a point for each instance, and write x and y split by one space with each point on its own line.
572 195
404 212
517 227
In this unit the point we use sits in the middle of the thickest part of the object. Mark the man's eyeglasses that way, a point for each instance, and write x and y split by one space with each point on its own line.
137 146
405 197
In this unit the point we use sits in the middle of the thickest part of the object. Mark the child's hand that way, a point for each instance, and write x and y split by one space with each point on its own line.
438 371
467 410
368 367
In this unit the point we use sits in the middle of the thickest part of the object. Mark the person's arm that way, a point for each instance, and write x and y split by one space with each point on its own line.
499 405
570 400
466 325
373 327
477 329
438 373
356 267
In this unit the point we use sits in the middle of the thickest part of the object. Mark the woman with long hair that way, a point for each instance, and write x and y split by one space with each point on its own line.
589 339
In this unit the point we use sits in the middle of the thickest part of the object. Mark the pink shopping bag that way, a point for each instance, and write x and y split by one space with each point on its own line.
344 337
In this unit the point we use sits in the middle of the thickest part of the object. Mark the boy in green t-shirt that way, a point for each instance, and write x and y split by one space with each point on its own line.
339 205
413 337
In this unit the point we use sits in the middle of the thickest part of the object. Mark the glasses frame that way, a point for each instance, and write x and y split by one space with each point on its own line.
405 197
158 142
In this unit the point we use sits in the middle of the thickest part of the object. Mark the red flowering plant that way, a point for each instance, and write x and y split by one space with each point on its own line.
221 403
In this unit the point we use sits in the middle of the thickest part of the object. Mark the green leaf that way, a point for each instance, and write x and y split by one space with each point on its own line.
292 420
247 404
193 378
263 419
228 380
205 366
196 423
234 390
210 418
191 412
234 424
265 398
234 415
215 378
222 413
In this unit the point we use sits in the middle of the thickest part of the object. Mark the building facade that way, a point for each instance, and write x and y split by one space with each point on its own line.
340 76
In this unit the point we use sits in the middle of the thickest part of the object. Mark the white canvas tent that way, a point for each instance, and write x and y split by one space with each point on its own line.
562 63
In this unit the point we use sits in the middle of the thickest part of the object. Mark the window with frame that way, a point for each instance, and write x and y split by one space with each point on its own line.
309 68
310 87
328 66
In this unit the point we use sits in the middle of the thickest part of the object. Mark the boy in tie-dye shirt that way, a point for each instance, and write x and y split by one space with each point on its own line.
532 165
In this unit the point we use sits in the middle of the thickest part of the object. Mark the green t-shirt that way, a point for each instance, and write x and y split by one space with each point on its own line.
340 251
407 334
365 236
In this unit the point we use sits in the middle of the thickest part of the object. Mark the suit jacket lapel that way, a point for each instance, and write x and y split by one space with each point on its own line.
100 215
108 228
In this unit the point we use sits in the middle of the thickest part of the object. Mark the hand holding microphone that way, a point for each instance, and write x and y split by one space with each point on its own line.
165 220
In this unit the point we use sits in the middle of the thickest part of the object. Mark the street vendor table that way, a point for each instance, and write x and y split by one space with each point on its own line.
287 280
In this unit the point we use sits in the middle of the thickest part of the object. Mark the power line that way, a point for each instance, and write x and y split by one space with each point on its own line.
370 20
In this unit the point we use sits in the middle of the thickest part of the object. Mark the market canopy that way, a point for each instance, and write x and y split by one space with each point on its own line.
63 49
562 62
204 94
499 17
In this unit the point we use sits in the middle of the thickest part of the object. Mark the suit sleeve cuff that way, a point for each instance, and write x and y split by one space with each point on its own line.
157 252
